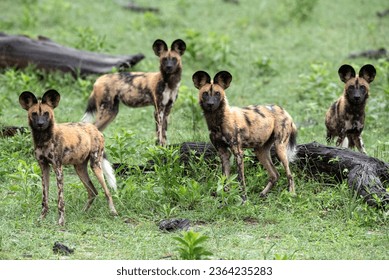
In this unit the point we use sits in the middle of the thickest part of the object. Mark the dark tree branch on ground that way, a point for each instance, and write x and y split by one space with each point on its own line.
9 131
373 54
140 9
383 13
20 51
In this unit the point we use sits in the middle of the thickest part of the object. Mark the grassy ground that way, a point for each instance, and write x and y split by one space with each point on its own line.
285 52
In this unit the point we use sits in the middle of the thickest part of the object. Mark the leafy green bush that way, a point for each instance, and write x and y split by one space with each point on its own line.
190 246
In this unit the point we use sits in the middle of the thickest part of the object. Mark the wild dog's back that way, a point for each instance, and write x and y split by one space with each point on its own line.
72 143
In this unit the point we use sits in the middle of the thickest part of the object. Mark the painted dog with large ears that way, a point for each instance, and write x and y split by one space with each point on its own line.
139 89
346 116
233 129
66 144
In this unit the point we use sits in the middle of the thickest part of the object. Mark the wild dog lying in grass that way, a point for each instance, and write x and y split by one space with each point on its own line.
346 116
257 127
138 89
62 144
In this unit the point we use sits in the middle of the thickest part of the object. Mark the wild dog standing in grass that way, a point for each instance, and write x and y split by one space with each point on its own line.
62 144
346 116
258 127
138 89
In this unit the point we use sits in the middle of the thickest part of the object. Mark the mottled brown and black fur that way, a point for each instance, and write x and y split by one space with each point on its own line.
138 89
345 118
66 144
233 129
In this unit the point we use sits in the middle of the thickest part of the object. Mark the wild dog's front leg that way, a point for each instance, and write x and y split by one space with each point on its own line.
165 120
341 137
238 154
225 155
45 168
61 203
359 143
160 119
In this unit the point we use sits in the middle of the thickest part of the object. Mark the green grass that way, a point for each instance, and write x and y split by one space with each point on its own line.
285 52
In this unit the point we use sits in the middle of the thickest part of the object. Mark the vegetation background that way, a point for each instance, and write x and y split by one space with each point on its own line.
284 52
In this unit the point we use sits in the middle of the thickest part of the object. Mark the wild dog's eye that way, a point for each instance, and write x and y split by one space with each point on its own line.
363 88
34 114
46 114
205 94
217 93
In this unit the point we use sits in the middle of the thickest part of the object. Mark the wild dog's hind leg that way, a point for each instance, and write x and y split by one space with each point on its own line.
95 163
82 172
107 110
358 142
282 153
263 155
45 168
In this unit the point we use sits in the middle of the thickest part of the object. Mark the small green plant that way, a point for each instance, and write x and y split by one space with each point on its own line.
264 67
121 146
229 190
190 246
167 211
282 257
301 10
89 40
211 49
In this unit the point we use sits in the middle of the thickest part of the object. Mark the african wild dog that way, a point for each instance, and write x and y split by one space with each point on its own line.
138 89
346 116
63 144
233 129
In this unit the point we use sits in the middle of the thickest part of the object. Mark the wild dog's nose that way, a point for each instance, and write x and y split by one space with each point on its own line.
357 97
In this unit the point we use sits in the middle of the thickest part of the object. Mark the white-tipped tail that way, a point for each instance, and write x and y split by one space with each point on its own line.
292 146
109 174
88 118
292 153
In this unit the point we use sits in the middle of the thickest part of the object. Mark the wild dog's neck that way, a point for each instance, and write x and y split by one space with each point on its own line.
356 109
172 79
41 137
216 118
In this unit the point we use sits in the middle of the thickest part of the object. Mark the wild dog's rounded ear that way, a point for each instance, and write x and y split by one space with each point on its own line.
27 99
346 72
51 98
223 79
201 78
367 72
179 46
159 46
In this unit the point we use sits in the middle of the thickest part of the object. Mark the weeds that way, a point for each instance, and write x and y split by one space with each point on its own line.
190 246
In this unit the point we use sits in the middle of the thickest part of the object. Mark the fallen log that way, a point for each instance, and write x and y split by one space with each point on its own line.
9 131
364 174
20 51
372 54
140 9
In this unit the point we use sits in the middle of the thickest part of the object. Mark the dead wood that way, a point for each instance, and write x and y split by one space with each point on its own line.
140 9
372 54
9 131
383 13
20 51
364 174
